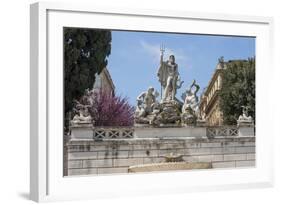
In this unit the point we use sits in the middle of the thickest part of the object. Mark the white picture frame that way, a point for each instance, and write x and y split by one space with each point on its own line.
46 173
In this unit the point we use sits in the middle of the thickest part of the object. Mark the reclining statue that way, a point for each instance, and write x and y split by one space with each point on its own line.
81 109
245 118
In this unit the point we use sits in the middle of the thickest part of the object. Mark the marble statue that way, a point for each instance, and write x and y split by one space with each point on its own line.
168 110
146 105
82 115
87 98
190 97
168 77
81 109
190 108
245 118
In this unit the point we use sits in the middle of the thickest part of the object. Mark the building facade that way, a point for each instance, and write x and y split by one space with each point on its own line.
104 81
210 101
209 106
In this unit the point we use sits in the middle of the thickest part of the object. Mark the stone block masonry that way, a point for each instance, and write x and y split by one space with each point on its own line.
110 156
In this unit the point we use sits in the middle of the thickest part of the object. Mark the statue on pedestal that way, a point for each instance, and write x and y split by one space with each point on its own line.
245 119
82 115
81 109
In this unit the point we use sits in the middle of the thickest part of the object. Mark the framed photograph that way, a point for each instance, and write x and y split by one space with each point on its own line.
127 102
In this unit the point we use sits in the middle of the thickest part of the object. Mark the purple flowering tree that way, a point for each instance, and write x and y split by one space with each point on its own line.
108 109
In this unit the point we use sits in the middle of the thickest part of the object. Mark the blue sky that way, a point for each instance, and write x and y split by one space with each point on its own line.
135 56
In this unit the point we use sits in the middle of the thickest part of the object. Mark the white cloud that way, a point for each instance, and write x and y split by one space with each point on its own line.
154 51
181 55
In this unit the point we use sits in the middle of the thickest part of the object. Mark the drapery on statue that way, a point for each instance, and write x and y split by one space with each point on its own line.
168 77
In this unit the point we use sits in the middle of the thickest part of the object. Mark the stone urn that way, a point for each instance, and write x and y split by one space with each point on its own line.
173 158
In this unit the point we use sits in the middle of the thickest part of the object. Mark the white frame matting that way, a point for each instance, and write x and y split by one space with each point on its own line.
46 139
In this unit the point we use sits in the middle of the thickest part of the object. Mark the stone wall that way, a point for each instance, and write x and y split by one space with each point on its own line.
89 156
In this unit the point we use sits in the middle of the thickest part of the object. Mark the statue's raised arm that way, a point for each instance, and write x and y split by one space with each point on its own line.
162 70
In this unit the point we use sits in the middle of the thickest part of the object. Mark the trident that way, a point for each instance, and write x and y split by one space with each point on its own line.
162 50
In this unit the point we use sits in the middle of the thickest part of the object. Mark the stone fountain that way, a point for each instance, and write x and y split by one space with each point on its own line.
169 112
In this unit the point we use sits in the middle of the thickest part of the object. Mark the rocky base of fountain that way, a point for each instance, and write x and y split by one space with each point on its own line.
170 114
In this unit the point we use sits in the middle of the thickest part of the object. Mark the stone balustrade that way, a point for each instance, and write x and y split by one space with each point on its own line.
100 133
222 131
112 132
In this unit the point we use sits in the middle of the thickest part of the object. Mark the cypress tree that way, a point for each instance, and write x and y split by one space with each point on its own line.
85 54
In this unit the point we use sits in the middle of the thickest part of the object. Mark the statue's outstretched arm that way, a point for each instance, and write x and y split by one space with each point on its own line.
141 96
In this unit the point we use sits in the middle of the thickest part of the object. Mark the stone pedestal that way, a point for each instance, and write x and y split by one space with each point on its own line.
82 131
246 131
170 113
201 123
166 132
188 119
245 128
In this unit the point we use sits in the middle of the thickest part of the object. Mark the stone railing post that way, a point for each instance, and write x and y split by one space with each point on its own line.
245 129
245 123
82 131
